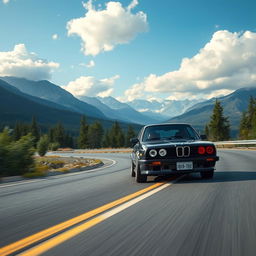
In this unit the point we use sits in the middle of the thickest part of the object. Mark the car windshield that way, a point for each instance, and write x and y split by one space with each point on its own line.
169 132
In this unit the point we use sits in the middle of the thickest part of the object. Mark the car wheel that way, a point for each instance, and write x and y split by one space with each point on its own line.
207 175
139 177
132 169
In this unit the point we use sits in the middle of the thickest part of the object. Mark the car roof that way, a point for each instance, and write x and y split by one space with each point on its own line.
162 124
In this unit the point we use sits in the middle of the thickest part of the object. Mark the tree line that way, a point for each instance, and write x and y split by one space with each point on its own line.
94 136
247 128
90 135
18 145
218 129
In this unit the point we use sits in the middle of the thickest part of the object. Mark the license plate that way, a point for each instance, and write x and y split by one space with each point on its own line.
181 166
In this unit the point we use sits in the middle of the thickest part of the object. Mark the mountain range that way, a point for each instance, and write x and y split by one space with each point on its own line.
18 106
114 109
103 108
162 110
53 93
137 111
233 104
52 100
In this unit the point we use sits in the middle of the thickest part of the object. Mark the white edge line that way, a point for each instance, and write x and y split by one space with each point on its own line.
59 176
133 201
109 213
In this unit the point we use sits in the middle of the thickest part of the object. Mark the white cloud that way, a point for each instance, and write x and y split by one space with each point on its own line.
101 30
6 1
198 95
55 36
137 91
91 64
226 63
90 86
133 4
22 63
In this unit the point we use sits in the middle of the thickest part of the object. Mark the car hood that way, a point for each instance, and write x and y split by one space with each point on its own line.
175 143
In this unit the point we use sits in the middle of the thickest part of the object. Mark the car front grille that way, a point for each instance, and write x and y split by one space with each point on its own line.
177 152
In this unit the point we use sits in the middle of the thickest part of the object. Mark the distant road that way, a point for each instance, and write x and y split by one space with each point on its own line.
190 217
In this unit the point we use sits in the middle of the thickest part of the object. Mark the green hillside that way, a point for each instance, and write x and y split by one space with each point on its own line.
54 94
16 106
234 105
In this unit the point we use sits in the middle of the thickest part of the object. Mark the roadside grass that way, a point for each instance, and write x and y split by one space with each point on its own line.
63 170
105 150
48 165
34 174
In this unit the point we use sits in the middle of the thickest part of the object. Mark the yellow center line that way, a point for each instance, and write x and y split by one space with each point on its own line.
59 239
41 248
27 241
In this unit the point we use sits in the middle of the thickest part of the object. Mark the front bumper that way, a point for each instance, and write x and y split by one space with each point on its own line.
168 166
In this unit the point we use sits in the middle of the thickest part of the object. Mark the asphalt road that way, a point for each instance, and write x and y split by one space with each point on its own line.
190 217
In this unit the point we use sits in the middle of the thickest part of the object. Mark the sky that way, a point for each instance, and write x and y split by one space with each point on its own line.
131 49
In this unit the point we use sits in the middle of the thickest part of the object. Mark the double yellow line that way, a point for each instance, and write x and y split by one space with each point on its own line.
46 233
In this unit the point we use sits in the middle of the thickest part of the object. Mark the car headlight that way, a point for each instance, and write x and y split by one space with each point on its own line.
152 152
162 152
140 154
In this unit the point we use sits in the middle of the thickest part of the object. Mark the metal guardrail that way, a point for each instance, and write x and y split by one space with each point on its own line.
236 142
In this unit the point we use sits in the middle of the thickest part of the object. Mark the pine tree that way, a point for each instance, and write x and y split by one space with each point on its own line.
83 134
42 145
51 135
206 130
253 130
113 134
116 135
17 132
5 138
68 140
16 157
20 130
95 135
60 135
5 141
34 130
59 138
106 139
57 134
244 127
247 128
251 114
120 139
219 127
251 111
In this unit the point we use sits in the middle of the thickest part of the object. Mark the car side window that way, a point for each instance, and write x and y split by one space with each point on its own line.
192 133
139 134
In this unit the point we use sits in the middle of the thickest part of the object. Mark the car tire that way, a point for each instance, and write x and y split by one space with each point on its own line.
140 178
133 174
207 175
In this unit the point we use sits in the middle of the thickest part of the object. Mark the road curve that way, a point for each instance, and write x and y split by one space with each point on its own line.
190 217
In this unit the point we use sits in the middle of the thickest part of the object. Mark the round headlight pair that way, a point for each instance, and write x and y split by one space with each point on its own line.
162 152
153 152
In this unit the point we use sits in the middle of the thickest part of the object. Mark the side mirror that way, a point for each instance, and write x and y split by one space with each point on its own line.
134 141
203 137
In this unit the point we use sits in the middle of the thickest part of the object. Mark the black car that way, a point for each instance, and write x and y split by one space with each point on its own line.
164 149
